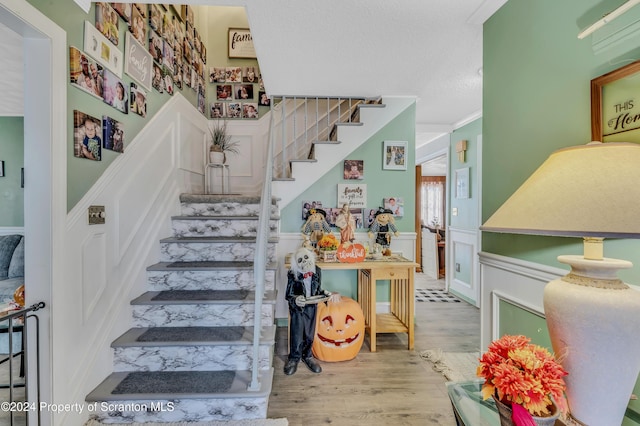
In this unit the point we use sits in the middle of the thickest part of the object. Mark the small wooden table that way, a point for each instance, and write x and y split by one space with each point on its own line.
400 272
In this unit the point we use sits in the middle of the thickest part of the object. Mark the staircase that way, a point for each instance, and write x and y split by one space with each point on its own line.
189 355
306 155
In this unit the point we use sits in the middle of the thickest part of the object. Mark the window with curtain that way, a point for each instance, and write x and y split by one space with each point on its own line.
433 198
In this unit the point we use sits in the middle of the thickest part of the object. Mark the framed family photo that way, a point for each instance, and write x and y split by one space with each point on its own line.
394 155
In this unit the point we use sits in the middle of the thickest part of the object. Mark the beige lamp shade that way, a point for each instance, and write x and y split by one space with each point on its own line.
591 190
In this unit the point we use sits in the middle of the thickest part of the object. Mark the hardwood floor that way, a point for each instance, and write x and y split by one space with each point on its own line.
392 386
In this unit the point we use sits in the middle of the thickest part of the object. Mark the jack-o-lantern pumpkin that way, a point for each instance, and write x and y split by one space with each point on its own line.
339 330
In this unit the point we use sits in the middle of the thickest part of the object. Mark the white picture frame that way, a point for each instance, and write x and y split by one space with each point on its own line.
462 183
138 62
394 155
102 50
240 44
355 195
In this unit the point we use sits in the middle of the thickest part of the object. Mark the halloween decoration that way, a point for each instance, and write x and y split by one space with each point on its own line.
383 225
303 284
339 330
316 226
347 224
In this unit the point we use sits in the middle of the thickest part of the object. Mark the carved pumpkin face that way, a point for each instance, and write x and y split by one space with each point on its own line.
339 330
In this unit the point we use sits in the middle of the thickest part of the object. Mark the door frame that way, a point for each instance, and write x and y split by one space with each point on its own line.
443 151
45 168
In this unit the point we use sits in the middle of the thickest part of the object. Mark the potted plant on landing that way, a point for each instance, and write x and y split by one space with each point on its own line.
525 380
221 143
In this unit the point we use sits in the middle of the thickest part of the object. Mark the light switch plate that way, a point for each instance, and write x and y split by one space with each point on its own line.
96 215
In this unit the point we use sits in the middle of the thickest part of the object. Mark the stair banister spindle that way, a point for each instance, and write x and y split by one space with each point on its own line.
295 133
306 114
259 264
283 129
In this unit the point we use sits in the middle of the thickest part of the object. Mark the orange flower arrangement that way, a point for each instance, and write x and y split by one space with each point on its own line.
328 242
521 373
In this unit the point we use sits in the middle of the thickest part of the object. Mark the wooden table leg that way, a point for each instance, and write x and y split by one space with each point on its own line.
372 310
411 307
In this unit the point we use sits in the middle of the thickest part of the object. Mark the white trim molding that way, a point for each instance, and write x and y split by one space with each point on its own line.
517 281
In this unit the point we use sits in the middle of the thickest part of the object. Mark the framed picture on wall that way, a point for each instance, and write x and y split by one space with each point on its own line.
240 43
394 156
614 106
462 183
1 168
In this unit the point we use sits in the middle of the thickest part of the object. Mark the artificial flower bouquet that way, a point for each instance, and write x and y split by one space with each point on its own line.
328 242
523 375
327 248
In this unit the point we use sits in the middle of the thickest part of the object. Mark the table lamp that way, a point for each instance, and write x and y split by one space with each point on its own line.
590 191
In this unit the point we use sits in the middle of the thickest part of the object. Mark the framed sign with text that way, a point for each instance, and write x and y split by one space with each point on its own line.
355 195
240 43
138 62
615 105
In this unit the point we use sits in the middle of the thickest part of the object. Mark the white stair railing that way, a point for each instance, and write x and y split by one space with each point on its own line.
303 121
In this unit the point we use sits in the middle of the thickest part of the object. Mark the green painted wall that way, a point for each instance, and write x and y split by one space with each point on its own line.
83 173
380 184
536 100
515 321
467 217
12 153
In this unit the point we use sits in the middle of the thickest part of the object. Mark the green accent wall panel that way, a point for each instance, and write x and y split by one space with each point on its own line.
515 320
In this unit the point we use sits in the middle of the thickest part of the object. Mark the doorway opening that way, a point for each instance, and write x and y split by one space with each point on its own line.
432 212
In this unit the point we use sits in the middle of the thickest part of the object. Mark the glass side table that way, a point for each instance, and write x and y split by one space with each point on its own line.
216 178
468 406
471 410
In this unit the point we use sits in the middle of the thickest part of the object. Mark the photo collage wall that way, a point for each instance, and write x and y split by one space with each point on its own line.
161 50
235 92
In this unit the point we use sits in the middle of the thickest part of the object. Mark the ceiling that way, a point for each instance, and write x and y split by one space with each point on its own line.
427 49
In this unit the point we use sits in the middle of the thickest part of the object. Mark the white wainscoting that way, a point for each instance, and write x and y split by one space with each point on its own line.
516 281
404 244
105 265
246 169
462 248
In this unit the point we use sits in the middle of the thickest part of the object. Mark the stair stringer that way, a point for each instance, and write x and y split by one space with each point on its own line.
329 155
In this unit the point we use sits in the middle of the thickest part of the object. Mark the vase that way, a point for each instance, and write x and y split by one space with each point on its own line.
505 412
216 157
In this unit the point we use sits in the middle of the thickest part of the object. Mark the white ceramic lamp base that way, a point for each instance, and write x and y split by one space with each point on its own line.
594 325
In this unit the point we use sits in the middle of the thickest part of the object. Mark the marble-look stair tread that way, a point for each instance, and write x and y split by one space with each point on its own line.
223 198
237 389
194 336
209 297
206 240
220 217
207 266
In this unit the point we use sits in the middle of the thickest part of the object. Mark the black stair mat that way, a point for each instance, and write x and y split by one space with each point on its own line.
171 382
208 264
200 295
192 334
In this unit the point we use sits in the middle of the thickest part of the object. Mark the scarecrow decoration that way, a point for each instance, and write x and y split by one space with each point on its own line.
315 226
383 225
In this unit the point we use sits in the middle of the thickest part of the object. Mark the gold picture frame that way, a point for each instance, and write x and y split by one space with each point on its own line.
615 106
